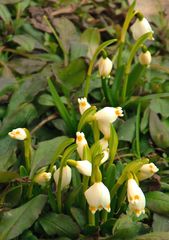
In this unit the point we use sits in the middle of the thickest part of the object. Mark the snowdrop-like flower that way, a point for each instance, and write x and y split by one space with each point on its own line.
105 157
105 66
147 171
98 197
84 167
42 178
140 27
135 197
83 105
145 58
66 176
106 116
18 133
109 114
81 143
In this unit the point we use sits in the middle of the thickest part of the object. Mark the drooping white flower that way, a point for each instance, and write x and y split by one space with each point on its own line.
105 66
105 157
147 171
109 114
84 167
18 133
145 58
81 143
104 143
66 176
98 197
83 105
135 197
42 178
140 27
106 116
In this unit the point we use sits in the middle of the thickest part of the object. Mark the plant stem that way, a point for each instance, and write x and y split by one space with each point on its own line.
138 131
106 90
59 191
58 40
91 219
89 72
104 216
134 49
27 150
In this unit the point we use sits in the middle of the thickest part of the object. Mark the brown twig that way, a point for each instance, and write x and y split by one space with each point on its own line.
43 122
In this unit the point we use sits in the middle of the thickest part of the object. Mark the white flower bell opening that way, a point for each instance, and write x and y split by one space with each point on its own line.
18 134
81 143
83 105
98 197
147 171
135 197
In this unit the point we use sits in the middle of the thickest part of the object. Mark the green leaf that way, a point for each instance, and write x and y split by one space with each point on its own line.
15 221
7 150
59 224
79 216
13 196
7 176
154 236
160 223
126 130
91 37
125 228
158 202
5 14
46 100
60 106
26 42
20 117
134 78
29 89
45 152
10 1
74 74
113 143
86 117
67 34
158 131
145 120
160 106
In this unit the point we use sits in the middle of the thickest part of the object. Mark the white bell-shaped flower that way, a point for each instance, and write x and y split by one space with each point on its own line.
83 105
105 66
42 178
109 114
98 197
66 176
106 116
105 157
18 133
145 58
84 167
135 197
81 143
147 171
140 27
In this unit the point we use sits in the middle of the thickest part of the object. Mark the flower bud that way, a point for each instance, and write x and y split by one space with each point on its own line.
145 58
84 167
135 197
147 171
66 176
83 105
81 143
140 27
18 133
105 66
98 197
42 178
